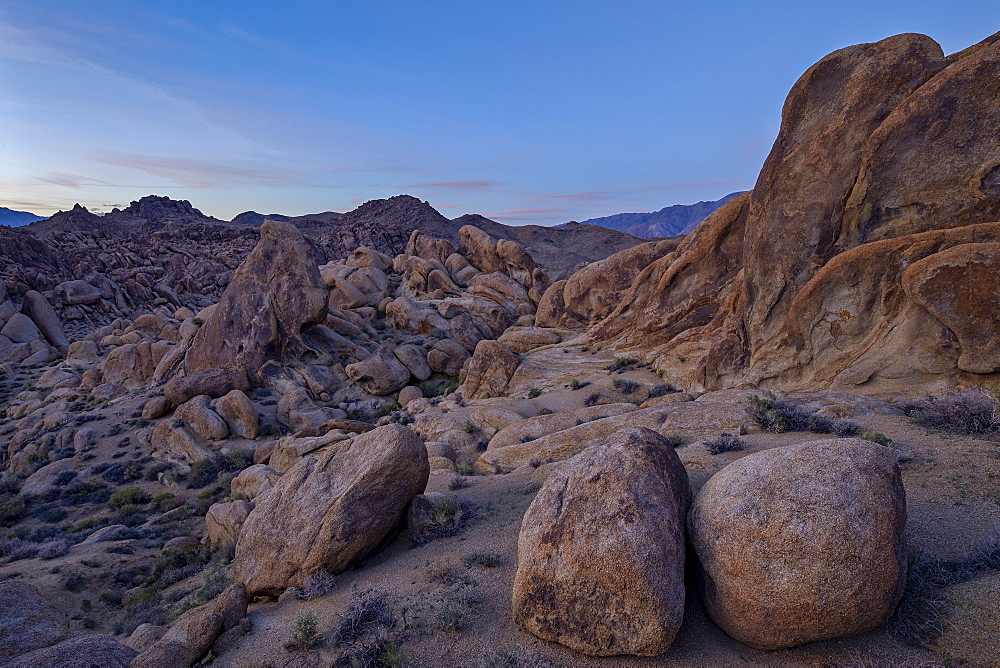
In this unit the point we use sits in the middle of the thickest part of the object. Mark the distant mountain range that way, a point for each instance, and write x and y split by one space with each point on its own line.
384 225
13 218
667 222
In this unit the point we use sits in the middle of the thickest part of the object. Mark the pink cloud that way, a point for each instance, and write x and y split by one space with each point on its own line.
457 185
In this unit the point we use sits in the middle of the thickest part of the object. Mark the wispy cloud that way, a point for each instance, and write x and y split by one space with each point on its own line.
196 173
70 180
467 185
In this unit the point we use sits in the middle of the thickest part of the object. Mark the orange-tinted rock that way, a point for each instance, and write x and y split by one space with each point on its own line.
935 161
802 543
600 555
593 292
798 202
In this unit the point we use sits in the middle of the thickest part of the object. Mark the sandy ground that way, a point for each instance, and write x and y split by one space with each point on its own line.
951 489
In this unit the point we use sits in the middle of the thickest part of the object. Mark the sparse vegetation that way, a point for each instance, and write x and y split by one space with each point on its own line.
457 482
971 411
305 633
622 364
448 518
575 384
592 400
484 560
625 386
724 443
778 415
534 392
518 657
450 617
129 496
660 390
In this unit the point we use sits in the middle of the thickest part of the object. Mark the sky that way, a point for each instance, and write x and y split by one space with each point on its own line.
534 111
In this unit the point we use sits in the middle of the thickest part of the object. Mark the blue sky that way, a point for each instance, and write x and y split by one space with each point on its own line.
528 112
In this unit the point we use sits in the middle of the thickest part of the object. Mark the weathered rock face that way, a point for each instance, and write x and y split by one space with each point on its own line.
81 651
592 293
802 543
332 510
797 205
27 621
490 370
273 296
380 374
600 556
213 382
883 147
239 413
45 318
191 636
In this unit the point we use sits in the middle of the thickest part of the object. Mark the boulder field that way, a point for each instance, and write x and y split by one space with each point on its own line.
216 439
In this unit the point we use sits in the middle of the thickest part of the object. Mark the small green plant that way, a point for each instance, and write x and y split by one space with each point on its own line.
545 411
576 384
534 392
660 390
129 496
450 617
877 437
470 428
457 482
392 655
305 633
674 441
592 400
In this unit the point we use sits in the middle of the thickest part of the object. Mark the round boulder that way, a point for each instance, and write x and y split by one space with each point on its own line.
802 543
600 556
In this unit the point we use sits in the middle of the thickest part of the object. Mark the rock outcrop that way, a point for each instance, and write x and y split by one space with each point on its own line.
275 294
796 284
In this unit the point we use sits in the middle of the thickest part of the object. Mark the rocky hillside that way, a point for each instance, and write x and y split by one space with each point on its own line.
220 443
670 221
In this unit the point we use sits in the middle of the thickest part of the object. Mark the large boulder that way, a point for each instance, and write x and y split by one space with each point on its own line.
490 370
802 543
239 413
19 328
38 308
27 621
447 356
223 521
75 292
331 510
213 382
191 636
79 652
274 294
380 374
600 556
798 202
133 364
201 419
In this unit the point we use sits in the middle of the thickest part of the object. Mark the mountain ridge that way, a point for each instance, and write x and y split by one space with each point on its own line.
669 221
